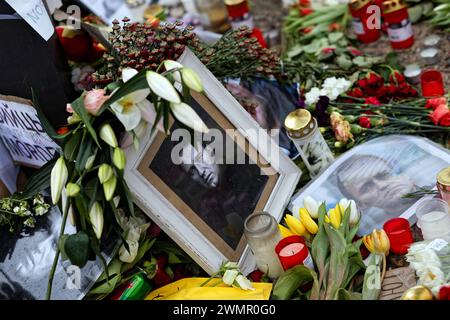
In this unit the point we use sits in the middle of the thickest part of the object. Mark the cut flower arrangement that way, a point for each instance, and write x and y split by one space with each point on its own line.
87 179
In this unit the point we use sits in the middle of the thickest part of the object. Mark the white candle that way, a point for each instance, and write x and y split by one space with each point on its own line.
430 55
412 73
432 40
435 224
291 249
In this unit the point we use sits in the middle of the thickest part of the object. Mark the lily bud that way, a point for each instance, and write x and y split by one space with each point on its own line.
105 172
170 65
72 189
295 225
107 135
162 87
311 206
377 242
90 162
109 187
191 79
186 115
74 118
58 179
119 158
97 220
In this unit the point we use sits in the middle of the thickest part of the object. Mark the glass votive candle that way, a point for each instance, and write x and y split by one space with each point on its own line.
263 235
412 73
399 233
292 251
434 219
432 84
443 184
430 55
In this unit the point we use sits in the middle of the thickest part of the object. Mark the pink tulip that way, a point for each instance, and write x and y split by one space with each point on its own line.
94 100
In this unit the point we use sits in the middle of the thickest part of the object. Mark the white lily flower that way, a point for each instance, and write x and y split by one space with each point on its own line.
162 87
134 107
244 283
229 276
186 115
170 65
311 206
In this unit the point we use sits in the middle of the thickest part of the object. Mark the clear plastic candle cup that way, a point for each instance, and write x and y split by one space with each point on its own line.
434 219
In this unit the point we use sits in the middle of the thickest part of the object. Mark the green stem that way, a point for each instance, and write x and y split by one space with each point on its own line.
55 260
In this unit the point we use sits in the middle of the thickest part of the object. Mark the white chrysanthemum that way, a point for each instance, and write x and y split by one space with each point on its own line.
312 96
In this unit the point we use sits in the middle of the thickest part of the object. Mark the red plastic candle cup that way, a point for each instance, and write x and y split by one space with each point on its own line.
399 233
432 84
292 251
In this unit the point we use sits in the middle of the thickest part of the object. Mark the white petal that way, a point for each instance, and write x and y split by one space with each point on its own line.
244 283
128 137
130 118
139 95
162 87
129 256
128 73
312 206
186 115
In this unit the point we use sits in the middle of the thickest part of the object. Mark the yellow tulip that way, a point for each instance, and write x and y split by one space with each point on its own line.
377 242
335 218
295 225
285 232
308 222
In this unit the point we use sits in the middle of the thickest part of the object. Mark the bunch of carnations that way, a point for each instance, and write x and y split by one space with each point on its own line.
374 85
441 112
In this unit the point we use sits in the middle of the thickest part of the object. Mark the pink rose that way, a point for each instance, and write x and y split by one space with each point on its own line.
69 108
94 100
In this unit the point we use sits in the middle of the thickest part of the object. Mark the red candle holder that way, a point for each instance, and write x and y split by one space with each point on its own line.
432 84
399 233
292 251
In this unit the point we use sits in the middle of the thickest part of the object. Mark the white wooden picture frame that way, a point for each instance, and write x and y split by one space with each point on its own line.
174 222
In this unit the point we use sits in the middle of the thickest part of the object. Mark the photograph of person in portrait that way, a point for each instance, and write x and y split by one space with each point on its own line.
377 175
203 184
268 103
26 260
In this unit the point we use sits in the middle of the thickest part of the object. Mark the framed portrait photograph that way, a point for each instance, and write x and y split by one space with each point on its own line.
201 189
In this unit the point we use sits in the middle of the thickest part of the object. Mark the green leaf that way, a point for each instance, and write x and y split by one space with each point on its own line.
320 249
372 279
291 280
335 36
78 108
61 243
344 62
103 286
77 248
126 194
71 147
84 153
39 181
348 295
46 125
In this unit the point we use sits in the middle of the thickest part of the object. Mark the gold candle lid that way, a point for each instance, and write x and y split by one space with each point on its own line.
299 123
393 5
234 2
358 4
443 177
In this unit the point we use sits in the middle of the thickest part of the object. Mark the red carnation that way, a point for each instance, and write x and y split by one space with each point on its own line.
307 30
439 113
396 77
327 50
355 52
162 260
444 293
374 79
391 90
363 83
305 11
356 92
373 101
364 122
445 120
434 103
305 2
161 278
